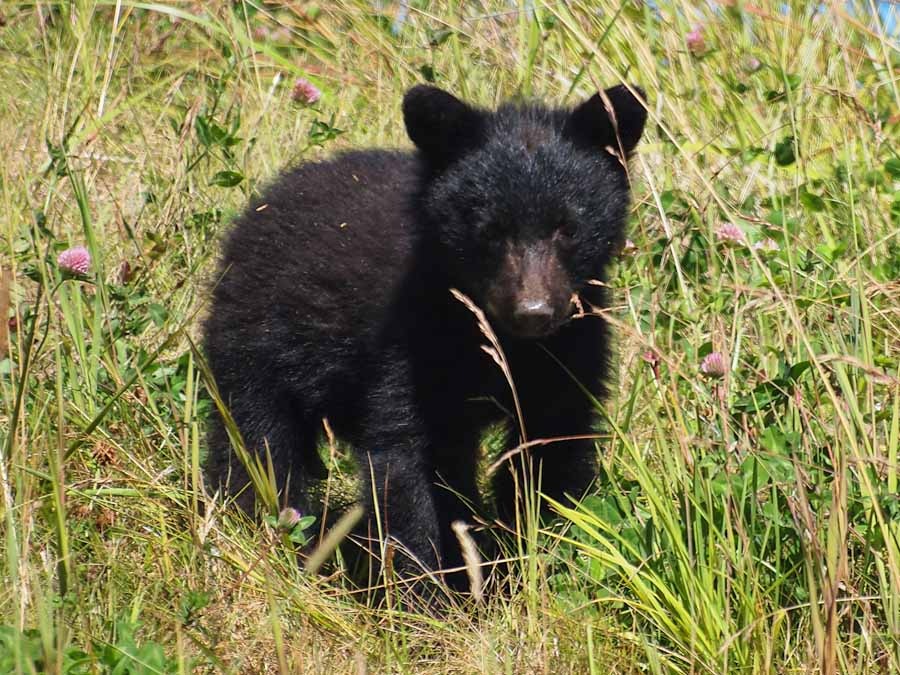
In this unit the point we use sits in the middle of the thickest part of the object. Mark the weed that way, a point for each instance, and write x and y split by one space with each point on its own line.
747 518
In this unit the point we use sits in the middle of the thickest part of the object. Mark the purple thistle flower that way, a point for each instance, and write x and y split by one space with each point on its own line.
281 35
288 518
695 41
650 357
124 273
305 92
713 365
729 233
75 260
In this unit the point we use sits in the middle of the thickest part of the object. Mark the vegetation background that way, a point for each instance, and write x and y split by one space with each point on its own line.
748 517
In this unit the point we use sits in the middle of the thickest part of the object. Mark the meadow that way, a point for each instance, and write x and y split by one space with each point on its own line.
747 518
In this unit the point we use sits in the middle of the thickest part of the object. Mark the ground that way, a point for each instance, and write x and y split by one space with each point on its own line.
748 516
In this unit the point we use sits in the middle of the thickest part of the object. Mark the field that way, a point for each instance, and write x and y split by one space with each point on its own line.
747 519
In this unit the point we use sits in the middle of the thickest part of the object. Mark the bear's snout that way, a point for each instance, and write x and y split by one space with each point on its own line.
533 316
531 295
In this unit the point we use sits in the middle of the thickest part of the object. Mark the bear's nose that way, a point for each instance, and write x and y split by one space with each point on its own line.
533 315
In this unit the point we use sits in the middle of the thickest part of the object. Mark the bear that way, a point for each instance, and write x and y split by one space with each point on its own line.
334 301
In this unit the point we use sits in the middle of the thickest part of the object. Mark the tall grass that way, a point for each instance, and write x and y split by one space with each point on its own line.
747 518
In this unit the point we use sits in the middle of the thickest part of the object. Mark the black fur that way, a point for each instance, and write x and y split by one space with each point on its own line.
334 302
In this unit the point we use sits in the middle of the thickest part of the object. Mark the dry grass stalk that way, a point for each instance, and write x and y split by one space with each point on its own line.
495 351
5 281
470 558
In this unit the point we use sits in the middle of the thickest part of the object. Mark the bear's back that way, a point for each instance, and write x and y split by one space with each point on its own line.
310 267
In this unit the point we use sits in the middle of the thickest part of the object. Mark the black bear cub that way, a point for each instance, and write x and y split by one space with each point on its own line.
334 301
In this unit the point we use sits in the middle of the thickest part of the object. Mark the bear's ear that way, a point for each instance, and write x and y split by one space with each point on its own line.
441 126
590 123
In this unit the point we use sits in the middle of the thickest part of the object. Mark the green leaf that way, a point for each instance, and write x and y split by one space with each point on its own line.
776 218
779 445
798 369
438 37
875 178
209 132
832 252
202 128
158 314
428 72
773 440
226 179
812 201
779 469
764 395
892 166
785 151
321 132
604 508
791 80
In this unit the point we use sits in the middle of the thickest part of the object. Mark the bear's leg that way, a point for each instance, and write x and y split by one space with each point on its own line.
394 455
402 508
457 498
564 467
275 424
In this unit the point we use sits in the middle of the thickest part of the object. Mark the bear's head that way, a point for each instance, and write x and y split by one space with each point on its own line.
526 204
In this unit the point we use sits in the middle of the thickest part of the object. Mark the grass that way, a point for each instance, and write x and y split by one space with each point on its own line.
743 523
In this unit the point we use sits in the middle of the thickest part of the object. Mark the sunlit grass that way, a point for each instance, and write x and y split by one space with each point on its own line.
743 523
